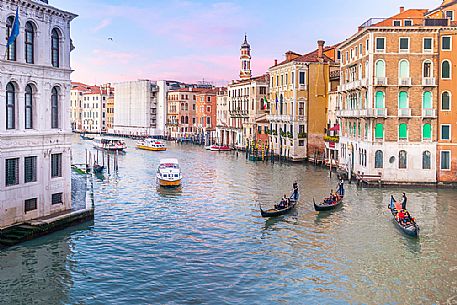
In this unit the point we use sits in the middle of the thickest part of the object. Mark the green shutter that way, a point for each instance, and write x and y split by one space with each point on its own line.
427 131
379 103
427 100
379 132
403 131
404 69
380 69
403 100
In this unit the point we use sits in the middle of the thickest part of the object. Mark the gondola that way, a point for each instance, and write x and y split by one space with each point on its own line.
278 212
98 168
327 205
84 137
410 228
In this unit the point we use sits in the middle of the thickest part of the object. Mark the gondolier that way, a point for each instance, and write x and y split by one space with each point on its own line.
404 199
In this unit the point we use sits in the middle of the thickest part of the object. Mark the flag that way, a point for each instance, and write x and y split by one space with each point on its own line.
14 30
276 103
264 104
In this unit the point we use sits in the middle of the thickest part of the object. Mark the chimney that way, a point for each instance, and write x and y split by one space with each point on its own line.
276 62
402 9
320 48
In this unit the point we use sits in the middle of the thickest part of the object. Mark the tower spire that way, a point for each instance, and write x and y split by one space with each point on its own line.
245 59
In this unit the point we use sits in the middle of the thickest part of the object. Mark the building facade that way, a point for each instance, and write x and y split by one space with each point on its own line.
205 115
222 116
181 117
35 136
89 107
392 79
299 88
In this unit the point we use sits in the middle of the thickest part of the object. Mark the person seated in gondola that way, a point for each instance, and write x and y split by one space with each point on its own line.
401 216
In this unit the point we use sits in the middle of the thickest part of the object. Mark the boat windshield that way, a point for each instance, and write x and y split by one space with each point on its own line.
169 165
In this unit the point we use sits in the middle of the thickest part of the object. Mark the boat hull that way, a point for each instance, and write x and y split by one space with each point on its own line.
276 213
143 147
167 183
328 207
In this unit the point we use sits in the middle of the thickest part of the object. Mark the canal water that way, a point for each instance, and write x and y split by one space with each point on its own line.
207 244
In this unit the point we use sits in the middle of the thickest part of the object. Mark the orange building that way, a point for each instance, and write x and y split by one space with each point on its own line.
205 115
447 92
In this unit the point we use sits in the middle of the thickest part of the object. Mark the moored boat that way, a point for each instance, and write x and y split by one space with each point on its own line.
109 144
169 173
151 144
277 211
408 226
84 137
220 148
98 168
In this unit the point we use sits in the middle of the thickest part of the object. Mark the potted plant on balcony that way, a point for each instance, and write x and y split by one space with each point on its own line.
302 135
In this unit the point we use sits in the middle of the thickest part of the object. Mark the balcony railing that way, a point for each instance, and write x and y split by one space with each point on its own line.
380 81
429 113
404 112
404 81
428 81
376 112
348 113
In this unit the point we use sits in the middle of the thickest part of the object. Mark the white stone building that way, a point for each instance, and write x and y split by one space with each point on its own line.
222 115
35 134
140 107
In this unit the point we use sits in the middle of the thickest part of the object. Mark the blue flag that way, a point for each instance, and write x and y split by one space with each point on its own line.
14 30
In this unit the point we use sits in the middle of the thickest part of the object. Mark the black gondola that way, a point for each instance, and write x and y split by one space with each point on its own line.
98 168
293 200
84 137
328 204
410 228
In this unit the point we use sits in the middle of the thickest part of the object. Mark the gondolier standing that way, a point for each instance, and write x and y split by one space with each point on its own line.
341 188
403 201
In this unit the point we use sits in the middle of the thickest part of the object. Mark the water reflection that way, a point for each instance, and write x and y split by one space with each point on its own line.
207 244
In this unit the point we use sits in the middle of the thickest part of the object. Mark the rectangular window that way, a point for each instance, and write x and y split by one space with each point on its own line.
445 132
30 169
397 23
56 165
301 142
57 198
12 171
428 45
450 15
408 23
446 43
404 45
380 44
445 160
302 78
30 205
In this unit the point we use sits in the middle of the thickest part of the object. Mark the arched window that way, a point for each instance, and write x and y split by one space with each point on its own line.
11 51
426 160
379 100
403 100
446 69
427 100
427 132
445 101
427 69
29 43
54 108
55 48
186 120
379 159
402 159
28 107
404 69
403 131
182 120
380 68
10 106
379 131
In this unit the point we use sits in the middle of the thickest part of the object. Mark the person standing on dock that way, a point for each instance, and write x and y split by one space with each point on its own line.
403 201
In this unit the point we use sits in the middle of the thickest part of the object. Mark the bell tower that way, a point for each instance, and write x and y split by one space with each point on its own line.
245 59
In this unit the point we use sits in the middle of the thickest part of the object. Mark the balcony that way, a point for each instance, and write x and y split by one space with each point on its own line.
302 87
404 112
376 112
348 113
429 113
364 82
404 81
279 118
380 81
428 81
351 85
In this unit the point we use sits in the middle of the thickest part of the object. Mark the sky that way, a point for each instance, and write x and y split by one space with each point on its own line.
191 41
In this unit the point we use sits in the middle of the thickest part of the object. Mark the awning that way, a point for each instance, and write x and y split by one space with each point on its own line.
335 128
